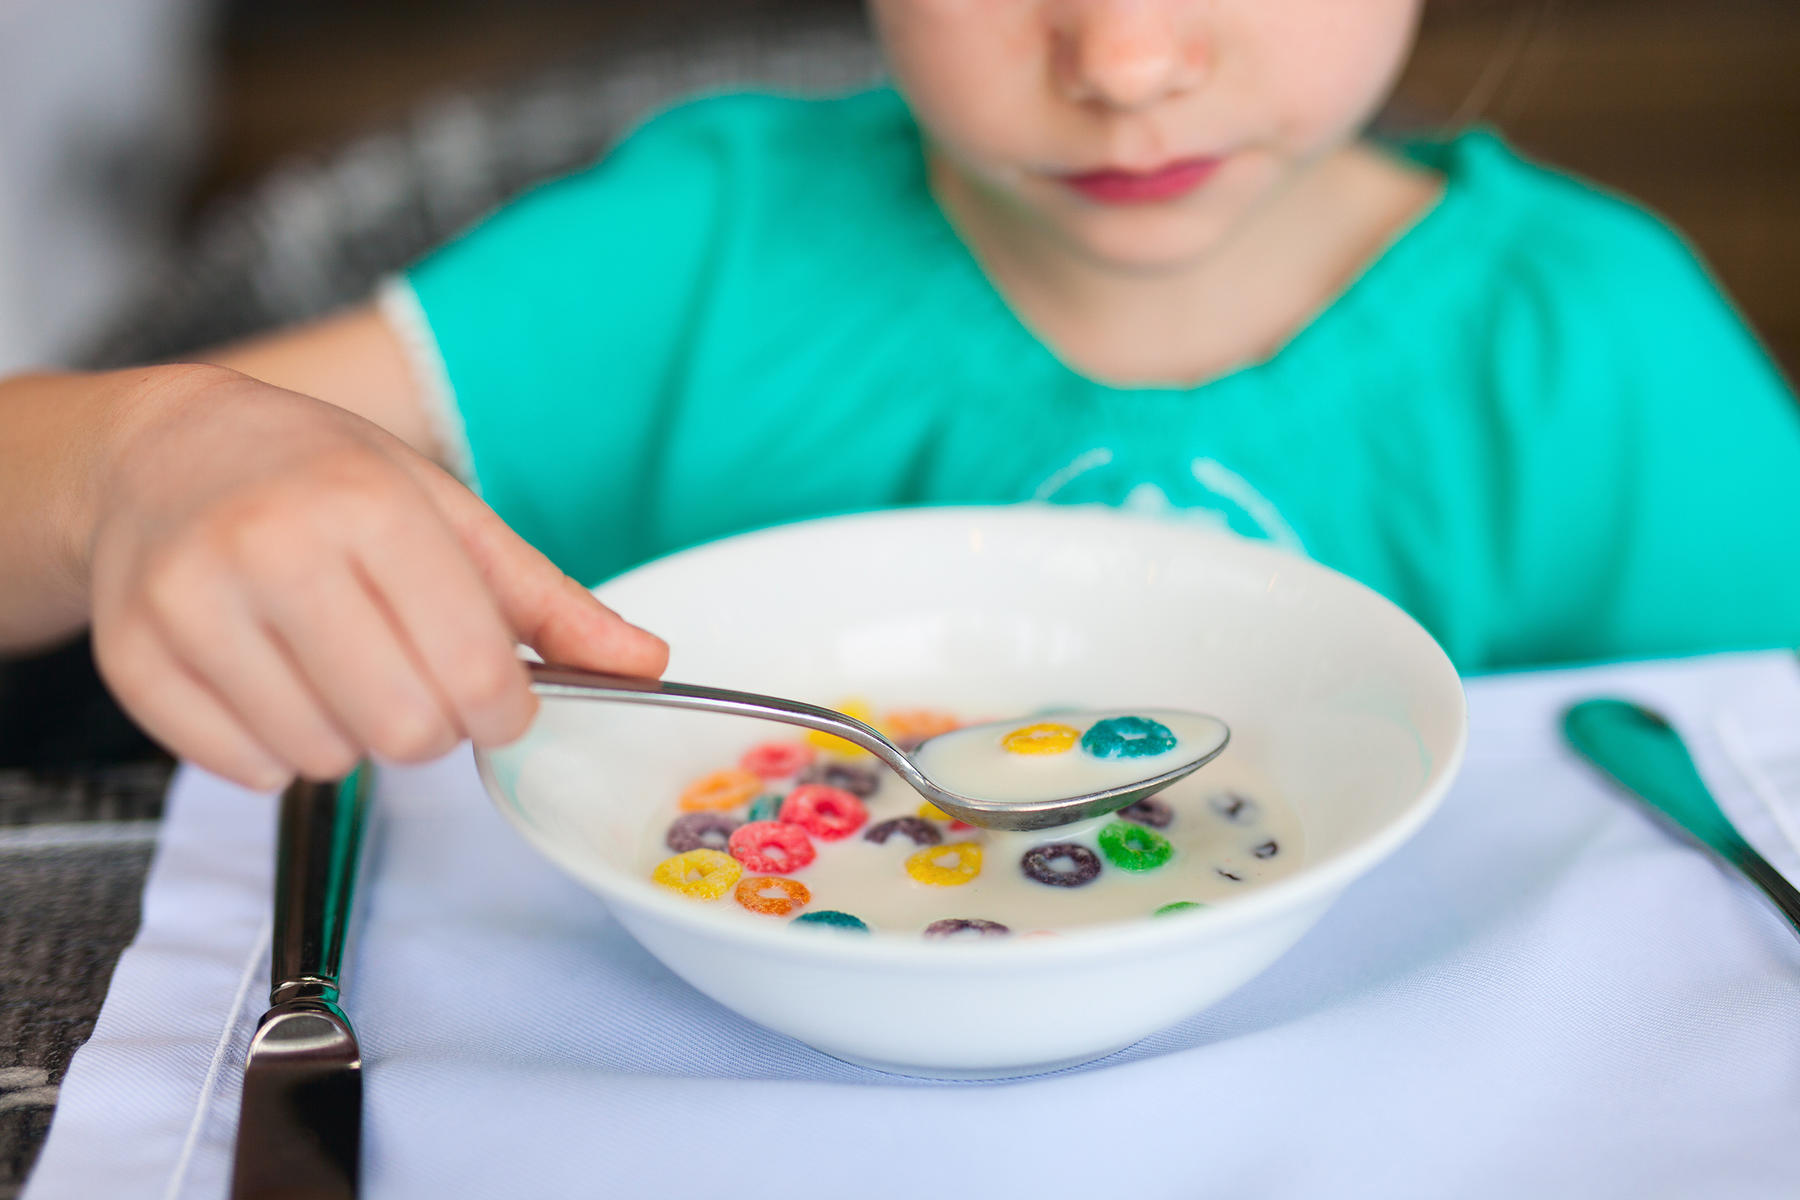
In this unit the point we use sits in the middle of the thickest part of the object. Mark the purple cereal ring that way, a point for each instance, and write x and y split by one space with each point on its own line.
951 926
1061 864
1148 811
701 831
860 782
921 831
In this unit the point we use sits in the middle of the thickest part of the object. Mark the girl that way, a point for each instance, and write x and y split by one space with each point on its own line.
1132 252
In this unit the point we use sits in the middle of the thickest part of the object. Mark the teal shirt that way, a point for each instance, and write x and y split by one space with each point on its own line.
1533 422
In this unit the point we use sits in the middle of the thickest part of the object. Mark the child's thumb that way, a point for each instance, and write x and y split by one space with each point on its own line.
546 609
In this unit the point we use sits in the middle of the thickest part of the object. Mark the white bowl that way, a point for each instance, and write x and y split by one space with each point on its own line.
1340 699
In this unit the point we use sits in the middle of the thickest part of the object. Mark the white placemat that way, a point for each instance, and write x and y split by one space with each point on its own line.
1541 994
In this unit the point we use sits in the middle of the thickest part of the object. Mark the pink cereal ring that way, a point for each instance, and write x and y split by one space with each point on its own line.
778 760
772 847
823 811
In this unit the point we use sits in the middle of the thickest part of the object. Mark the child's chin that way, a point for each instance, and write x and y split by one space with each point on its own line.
1145 239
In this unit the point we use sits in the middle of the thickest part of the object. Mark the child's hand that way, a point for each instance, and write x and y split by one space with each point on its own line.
279 587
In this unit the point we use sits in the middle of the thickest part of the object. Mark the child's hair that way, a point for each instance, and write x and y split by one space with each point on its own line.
1471 56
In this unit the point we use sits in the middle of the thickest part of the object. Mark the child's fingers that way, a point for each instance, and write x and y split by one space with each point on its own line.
548 611
435 595
178 710
348 649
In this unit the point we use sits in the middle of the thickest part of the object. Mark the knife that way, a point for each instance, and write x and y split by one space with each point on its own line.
300 1126
1644 754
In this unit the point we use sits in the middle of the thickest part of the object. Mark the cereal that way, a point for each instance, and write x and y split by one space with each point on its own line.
1268 849
700 830
932 812
766 807
858 781
1179 906
1233 807
952 926
831 918
825 812
1061 864
1046 737
946 866
753 894
772 846
720 790
862 711
918 829
698 874
1133 847
1127 737
907 727
777 760
1148 811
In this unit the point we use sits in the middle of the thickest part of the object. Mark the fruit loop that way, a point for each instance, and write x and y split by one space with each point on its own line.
1046 737
700 831
825 812
858 781
765 807
951 926
945 866
1133 847
918 829
831 918
1179 906
720 790
910 726
1149 811
777 760
753 894
698 874
1234 807
1127 737
862 711
932 812
1061 864
771 846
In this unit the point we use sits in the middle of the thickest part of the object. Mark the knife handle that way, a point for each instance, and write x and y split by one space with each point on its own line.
318 844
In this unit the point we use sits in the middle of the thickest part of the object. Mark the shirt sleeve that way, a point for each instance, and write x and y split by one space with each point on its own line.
558 322
1657 457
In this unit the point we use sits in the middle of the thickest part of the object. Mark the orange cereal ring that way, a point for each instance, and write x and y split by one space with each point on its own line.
698 874
753 894
1046 737
721 790
910 726
946 866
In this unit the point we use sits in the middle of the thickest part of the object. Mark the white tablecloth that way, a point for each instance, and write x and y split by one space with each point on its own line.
1541 994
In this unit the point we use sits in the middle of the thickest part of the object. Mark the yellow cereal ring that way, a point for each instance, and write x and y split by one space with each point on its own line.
932 812
946 866
721 790
699 874
863 711
1046 737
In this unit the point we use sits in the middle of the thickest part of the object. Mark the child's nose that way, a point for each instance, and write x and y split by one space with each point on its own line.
1128 54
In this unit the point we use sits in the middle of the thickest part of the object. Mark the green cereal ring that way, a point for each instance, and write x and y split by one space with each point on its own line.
1131 847
832 919
1127 737
766 808
1177 907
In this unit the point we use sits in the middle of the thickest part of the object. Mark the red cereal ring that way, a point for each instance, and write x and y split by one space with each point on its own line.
753 893
771 846
778 760
825 812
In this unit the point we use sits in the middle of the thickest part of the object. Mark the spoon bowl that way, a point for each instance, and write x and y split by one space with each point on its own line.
570 683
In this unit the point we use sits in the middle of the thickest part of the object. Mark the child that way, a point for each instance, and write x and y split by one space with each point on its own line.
1133 252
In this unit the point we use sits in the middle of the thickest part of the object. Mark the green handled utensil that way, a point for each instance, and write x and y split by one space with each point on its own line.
1644 754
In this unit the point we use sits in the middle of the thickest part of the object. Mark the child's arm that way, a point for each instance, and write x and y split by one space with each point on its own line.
277 584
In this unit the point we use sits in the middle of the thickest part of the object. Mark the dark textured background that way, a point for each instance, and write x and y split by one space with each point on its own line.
349 134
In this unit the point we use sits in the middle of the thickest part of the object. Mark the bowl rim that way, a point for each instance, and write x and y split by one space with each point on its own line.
1313 881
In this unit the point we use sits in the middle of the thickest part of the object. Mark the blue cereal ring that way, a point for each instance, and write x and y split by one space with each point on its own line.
766 807
831 918
1127 737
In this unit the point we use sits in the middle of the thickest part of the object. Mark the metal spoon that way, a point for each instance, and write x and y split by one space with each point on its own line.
569 683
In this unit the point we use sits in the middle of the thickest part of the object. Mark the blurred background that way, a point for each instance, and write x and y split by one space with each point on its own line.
177 172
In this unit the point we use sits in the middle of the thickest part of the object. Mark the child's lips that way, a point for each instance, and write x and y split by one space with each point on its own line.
1113 185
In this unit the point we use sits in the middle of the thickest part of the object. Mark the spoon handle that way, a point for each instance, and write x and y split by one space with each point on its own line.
574 684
